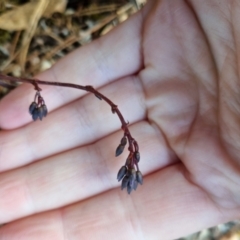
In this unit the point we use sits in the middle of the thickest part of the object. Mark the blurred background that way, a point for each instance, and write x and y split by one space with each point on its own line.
36 34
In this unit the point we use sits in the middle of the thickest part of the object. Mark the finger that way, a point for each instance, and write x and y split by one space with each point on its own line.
76 174
163 208
111 57
81 122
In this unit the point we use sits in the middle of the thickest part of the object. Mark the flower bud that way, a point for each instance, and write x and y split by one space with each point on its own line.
135 185
35 114
125 182
137 156
124 141
129 188
139 177
132 177
121 173
45 111
32 107
119 150
41 113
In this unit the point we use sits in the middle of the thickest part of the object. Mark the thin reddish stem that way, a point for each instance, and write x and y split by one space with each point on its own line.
133 145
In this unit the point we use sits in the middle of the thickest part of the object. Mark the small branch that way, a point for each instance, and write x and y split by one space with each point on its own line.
38 110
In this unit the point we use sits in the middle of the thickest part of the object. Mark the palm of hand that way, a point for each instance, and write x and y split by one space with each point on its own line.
191 85
186 86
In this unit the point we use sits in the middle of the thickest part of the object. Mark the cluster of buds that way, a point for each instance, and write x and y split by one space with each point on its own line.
129 173
38 108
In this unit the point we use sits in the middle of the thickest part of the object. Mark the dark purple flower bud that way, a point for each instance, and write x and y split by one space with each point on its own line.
139 177
135 185
45 111
132 177
125 182
41 113
121 173
119 150
35 114
32 107
137 156
129 188
124 141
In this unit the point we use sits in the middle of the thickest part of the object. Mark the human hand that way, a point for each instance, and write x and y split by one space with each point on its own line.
173 71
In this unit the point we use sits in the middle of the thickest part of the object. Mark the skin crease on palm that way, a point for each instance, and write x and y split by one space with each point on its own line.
173 70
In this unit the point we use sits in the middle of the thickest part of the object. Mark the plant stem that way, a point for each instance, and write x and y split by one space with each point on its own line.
133 145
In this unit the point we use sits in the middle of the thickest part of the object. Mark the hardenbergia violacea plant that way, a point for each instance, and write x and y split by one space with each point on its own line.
129 173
